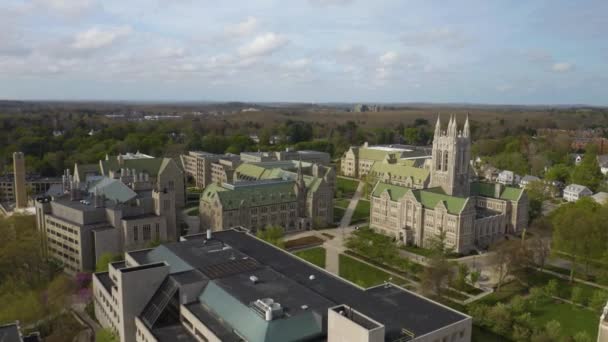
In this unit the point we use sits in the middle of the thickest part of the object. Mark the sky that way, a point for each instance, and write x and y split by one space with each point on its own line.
468 51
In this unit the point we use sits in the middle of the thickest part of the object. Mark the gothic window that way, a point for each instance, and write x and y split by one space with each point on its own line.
445 160
438 161
146 232
135 235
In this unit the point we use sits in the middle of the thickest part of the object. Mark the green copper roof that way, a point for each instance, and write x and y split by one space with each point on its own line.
374 154
151 166
261 173
487 190
252 326
250 195
419 175
429 198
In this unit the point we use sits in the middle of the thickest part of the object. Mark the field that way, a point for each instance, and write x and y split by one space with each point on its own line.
363 274
338 213
341 202
314 255
346 186
361 212
572 319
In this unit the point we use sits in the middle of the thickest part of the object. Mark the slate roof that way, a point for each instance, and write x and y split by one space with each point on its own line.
429 198
113 189
260 173
487 190
254 194
419 175
151 166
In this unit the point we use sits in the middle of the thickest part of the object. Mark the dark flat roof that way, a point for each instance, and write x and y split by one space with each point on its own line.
394 307
104 279
175 333
10 333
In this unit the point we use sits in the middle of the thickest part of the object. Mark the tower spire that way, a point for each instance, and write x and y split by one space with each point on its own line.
466 131
438 127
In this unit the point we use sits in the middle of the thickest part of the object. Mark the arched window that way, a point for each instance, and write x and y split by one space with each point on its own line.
438 161
445 160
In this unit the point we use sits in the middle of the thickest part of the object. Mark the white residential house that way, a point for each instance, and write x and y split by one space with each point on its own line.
603 162
527 179
601 197
507 177
574 192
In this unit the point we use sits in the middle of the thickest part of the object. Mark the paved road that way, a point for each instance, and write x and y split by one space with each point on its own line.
348 213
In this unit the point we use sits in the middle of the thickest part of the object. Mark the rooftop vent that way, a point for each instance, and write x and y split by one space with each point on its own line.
311 277
267 308
304 307
254 279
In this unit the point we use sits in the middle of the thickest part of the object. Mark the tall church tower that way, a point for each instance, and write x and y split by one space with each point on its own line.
451 158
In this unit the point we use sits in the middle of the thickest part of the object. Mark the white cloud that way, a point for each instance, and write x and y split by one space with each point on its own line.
263 44
173 52
96 38
244 28
562 67
389 58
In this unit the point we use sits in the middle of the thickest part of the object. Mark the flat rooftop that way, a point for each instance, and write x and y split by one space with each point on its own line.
391 306
10 333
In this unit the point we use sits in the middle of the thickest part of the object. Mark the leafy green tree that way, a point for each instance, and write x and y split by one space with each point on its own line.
439 271
536 196
588 241
521 333
536 296
273 235
582 336
578 295
474 276
519 305
558 172
553 329
104 260
552 288
598 300
588 172
501 315
105 335
461 276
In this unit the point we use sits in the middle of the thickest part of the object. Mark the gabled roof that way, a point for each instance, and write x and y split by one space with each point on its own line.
577 188
487 190
429 198
113 189
419 175
261 173
151 166
253 194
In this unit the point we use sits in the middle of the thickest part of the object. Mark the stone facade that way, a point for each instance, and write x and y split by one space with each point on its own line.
261 197
471 215
106 216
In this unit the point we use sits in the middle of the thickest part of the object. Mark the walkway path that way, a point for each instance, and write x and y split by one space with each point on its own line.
348 213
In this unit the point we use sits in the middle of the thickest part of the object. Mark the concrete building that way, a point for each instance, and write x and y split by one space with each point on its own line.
602 335
234 287
574 192
198 166
357 162
107 215
470 214
270 196
35 185
20 186
12 333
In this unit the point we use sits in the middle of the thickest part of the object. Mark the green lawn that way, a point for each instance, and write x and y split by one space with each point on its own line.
361 211
314 255
341 202
363 274
346 186
418 250
572 319
338 213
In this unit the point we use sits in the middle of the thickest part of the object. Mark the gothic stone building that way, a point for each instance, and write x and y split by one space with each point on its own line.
261 197
470 214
